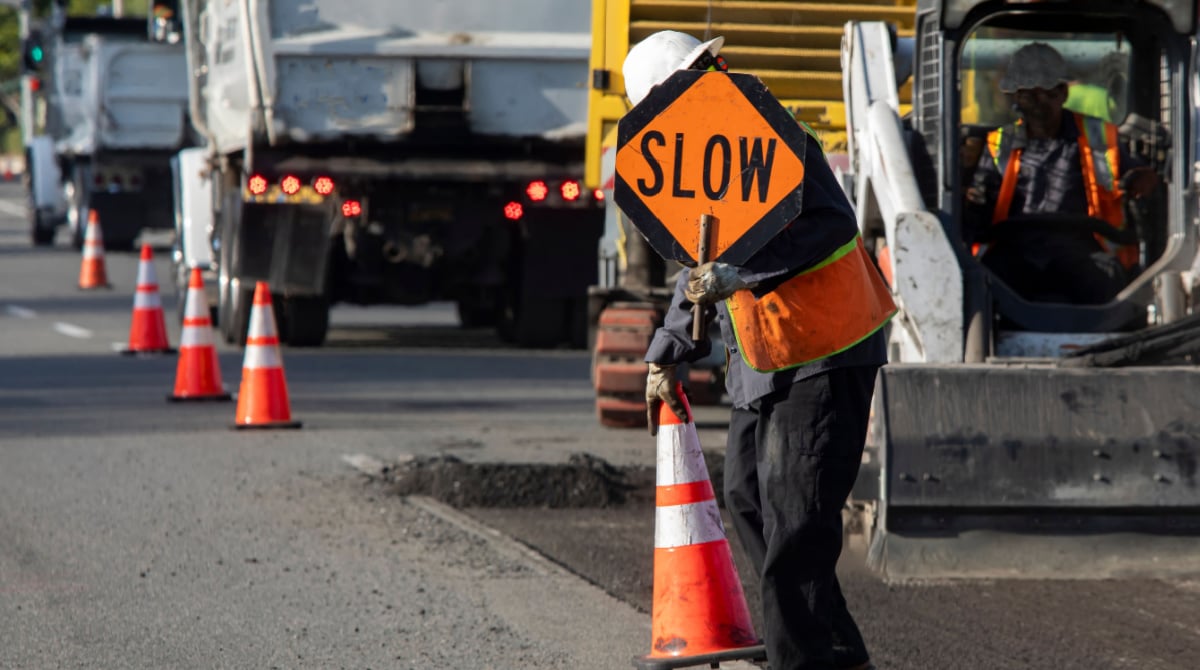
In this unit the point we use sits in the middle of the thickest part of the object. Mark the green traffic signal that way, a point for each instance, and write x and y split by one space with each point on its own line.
37 54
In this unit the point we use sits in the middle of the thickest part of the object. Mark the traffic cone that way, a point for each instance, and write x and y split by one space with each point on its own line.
263 398
699 613
197 377
92 274
148 329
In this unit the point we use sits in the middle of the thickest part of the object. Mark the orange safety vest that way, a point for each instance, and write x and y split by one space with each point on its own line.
1099 178
816 314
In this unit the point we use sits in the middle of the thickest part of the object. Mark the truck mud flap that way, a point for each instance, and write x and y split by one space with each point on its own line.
1032 471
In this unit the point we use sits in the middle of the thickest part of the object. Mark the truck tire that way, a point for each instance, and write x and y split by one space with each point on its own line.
477 312
618 373
233 300
305 321
233 311
41 235
537 322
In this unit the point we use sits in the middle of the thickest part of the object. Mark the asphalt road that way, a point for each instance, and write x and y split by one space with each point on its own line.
135 533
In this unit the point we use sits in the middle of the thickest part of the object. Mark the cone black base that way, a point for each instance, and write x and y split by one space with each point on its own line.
274 424
148 352
754 653
221 397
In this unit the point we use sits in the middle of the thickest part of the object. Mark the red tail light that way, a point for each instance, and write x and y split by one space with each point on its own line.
323 185
257 184
598 195
351 208
513 211
290 184
537 190
570 191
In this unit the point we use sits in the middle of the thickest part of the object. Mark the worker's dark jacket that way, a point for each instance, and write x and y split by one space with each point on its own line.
826 223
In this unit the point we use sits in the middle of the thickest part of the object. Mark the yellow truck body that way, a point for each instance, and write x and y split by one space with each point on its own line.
794 47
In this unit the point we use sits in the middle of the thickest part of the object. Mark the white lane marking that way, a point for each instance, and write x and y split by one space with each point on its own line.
12 209
20 312
72 331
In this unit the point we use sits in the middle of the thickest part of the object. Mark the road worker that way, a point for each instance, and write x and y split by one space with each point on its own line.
802 321
1053 162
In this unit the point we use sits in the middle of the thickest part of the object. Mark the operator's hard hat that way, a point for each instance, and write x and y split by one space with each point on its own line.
1035 65
655 58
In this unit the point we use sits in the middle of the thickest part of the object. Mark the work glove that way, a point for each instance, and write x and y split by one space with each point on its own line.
662 386
713 282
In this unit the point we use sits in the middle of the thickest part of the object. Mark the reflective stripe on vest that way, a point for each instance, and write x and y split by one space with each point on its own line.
815 314
1099 183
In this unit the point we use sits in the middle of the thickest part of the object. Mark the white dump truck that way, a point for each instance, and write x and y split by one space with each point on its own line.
391 151
115 114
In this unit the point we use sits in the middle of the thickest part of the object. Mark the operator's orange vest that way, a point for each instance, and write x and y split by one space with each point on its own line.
1099 177
824 310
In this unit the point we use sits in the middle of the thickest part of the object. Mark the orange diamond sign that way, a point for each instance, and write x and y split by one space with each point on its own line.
709 143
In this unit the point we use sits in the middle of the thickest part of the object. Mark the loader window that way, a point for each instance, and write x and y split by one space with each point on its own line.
1097 70
1042 204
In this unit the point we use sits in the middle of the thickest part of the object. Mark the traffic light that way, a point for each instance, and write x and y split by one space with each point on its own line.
35 52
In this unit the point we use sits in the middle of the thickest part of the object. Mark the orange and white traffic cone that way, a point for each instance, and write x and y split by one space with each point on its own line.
92 274
148 329
263 398
699 613
198 376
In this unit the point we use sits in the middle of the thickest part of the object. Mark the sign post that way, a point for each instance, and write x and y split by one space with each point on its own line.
699 325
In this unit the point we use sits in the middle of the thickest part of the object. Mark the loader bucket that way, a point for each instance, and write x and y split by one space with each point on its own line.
1036 471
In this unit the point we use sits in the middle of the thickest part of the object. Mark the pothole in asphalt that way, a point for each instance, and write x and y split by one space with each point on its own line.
584 481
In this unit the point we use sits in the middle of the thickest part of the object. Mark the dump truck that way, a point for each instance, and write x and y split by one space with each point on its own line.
1023 434
795 48
392 152
115 113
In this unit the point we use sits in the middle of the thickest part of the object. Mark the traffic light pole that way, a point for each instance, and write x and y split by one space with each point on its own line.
24 8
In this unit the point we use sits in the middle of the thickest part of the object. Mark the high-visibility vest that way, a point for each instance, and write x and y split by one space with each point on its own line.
1099 158
824 310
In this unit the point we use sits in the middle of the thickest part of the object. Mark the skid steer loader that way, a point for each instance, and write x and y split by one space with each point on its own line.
1017 434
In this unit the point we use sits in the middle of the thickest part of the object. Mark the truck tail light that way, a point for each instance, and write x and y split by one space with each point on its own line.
598 195
537 190
351 208
513 211
570 190
290 184
323 185
257 184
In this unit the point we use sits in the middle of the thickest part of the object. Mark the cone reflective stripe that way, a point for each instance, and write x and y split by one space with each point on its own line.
148 329
197 376
263 398
699 612
92 272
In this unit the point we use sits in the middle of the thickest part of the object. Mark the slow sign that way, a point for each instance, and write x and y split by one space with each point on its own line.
709 143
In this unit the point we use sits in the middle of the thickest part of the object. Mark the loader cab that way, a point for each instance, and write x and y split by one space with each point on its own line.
1129 64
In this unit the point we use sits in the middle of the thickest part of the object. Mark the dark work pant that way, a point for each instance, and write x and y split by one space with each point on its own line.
791 461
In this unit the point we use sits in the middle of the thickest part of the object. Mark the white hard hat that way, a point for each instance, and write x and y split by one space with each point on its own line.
655 58
1035 65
